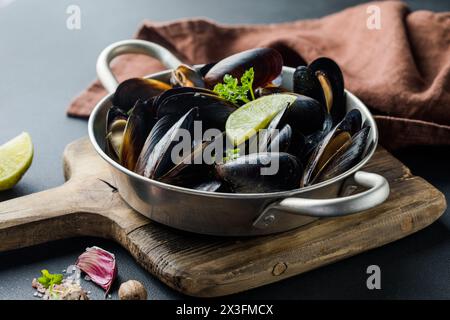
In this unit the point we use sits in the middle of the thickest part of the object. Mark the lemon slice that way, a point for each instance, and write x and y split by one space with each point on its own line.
16 156
255 115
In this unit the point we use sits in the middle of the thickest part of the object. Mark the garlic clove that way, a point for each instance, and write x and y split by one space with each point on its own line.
99 265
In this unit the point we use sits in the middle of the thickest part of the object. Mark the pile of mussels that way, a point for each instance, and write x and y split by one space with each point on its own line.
316 139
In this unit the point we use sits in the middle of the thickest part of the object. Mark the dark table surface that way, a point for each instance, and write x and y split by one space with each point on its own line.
43 65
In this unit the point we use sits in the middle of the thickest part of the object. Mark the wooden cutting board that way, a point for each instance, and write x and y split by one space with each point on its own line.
89 205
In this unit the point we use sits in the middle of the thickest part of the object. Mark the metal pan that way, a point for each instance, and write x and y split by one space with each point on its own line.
227 214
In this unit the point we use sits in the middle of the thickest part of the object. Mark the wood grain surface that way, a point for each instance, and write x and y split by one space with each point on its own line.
89 205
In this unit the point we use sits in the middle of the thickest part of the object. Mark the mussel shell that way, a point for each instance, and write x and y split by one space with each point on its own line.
174 91
306 83
282 141
337 145
161 127
136 131
347 157
244 174
304 114
116 121
186 76
214 111
266 135
266 62
132 90
159 160
352 122
334 143
322 153
327 71
194 173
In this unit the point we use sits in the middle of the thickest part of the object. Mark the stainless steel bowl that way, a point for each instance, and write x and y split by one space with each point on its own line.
223 213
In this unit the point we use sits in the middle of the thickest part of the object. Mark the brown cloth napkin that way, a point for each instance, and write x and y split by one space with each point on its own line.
401 71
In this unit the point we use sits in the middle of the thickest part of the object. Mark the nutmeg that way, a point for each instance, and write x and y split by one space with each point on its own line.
132 290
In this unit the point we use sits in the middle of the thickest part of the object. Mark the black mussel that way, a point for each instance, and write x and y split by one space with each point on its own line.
261 172
306 83
205 68
266 63
304 114
281 142
266 136
352 122
336 145
186 76
322 80
132 90
214 111
138 126
332 82
346 157
194 171
174 91
116 120
161 127
159 160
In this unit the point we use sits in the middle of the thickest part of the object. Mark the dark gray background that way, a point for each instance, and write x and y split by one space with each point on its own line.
43 65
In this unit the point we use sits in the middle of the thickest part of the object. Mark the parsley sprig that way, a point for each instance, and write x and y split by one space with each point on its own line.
48 279
232 91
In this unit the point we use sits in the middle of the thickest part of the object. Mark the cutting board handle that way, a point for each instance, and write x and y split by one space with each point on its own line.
23 216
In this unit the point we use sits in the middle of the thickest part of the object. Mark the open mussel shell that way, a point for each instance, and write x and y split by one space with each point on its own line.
261 172
332 145
306 83
161 127
266 62
347 157
322 80
214 111
332 82
159 160
352 122
186 76
193 171
116 120
136 131
132 90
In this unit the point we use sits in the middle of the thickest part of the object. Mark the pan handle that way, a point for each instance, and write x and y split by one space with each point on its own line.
323 208
154 50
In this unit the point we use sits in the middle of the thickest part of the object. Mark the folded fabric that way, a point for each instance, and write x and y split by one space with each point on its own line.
400 68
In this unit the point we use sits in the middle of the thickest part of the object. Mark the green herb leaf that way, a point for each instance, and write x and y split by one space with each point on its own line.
48 279
232 91
231 154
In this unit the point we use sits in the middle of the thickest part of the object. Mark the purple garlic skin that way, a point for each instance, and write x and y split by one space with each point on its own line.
99 265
